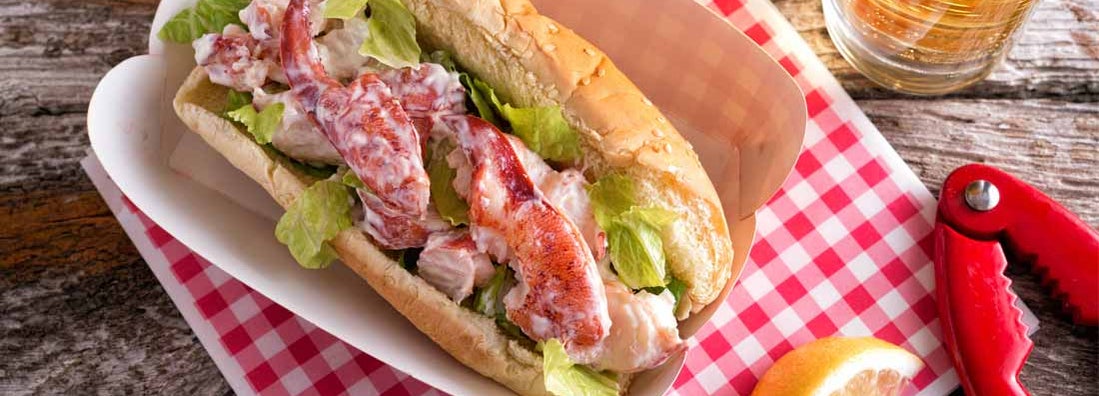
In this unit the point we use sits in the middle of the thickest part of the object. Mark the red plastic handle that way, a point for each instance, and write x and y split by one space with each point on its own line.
1034 229
982 327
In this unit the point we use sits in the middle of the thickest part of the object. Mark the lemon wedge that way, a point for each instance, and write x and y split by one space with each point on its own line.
840 366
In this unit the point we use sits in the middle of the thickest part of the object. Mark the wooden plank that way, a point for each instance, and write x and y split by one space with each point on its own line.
52 54
80 311
1051 144
1057 54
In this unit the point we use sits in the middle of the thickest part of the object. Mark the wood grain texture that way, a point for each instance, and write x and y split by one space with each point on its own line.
52 53
80 311
1051 144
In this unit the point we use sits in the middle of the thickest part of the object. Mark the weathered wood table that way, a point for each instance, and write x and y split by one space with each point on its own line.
80 311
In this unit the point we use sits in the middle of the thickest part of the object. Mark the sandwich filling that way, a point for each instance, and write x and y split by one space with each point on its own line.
486 202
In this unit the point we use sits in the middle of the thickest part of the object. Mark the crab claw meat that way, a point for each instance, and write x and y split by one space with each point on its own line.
644 334
560 293
364 121
427 90
451 262
394 230
235 59
566 190
296 136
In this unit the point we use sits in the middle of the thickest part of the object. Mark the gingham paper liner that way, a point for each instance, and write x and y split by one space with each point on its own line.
259 346
842 249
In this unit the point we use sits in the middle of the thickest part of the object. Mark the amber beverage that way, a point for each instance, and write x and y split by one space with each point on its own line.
925 46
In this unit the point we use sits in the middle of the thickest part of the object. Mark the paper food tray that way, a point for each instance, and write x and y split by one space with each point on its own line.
742 112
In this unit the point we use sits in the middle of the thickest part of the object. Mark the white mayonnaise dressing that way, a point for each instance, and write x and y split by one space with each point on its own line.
429 89
535 166
541 326
644 333
204 47
463 172
394 229
296 136
264 18
567 190
451 263
515 297
491 242
339 50
234 59
358 139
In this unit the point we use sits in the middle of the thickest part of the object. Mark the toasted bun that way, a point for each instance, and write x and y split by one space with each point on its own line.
530 60
533 61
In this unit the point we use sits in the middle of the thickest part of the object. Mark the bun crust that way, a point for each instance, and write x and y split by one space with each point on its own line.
533 61
530 60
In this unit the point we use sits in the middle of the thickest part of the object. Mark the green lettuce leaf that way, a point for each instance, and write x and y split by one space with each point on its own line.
348 178
633 232
545 131
236 100
677 287
442 58
207 16
315 172
649 215
343 9
483 98
447 202
261 125
319 213
611 196
392 38
487 298
563 378
635 247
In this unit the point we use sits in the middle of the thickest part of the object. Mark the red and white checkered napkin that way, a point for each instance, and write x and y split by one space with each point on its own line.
842 249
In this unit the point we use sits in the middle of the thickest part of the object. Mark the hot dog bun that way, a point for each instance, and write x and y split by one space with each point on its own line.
530 60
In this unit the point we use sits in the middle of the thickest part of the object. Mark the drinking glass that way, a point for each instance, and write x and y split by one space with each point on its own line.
925 47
